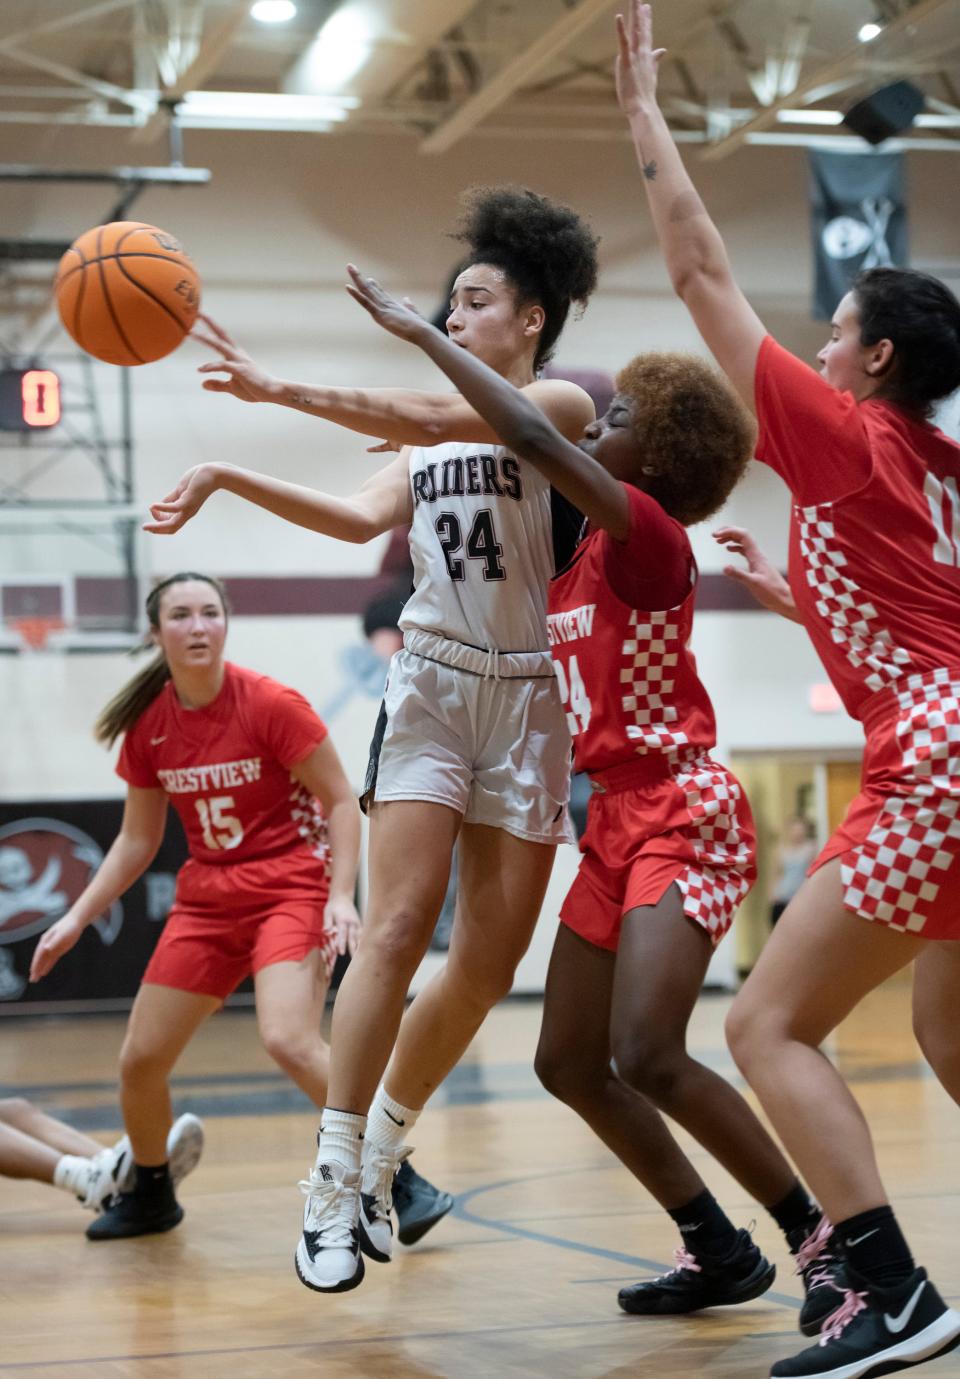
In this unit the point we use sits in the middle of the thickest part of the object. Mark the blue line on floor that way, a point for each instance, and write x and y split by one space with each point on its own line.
462 1212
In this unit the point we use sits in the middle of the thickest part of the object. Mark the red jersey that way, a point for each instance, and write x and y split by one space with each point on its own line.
227 768
875 529
627 678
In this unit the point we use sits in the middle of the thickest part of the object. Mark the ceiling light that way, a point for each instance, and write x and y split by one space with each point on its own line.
869 31
261 110
273 11
343 45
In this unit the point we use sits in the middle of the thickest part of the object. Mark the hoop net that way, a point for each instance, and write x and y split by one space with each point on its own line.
35 632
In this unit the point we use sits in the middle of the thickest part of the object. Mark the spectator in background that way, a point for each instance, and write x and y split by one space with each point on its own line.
795 851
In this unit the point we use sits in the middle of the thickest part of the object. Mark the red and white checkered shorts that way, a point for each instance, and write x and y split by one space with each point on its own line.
899 842
651 824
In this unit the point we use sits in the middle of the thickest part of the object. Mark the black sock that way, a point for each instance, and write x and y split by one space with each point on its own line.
705 1226
153 1182
873 1245
797 1212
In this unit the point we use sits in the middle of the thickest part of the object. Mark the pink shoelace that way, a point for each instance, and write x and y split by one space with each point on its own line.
685 1260
811 1249
837 1322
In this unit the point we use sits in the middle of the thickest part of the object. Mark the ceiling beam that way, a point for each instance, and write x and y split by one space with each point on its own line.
513 74
844 66
141 101
64 21
211 50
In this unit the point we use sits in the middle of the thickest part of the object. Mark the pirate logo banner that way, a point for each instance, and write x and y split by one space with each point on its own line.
859 220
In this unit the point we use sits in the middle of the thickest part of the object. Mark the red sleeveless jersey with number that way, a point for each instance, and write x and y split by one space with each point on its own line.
627 676
227 768
875 530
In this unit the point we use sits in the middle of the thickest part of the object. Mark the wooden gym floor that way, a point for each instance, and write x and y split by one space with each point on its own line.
521 1280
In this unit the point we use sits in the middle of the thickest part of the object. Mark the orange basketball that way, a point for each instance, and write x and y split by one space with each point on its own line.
127 292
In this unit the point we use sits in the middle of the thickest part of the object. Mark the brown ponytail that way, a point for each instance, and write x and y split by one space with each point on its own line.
136 696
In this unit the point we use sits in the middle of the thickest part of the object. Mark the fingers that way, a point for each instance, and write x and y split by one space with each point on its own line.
361 297
44 958
166 527
167 519
227 366
747 578
215 329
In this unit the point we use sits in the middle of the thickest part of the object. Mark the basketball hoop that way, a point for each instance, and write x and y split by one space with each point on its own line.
35 632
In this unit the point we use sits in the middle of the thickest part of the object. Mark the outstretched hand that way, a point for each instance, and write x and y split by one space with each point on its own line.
243 377
57 940
399 318
761 576
184 502
637 58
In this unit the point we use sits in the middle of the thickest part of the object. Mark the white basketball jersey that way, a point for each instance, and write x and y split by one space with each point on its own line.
482 544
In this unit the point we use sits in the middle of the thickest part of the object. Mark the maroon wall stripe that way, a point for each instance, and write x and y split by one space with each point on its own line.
106 598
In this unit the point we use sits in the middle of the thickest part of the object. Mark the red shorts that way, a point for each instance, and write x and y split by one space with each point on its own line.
650 825
900 839
228 921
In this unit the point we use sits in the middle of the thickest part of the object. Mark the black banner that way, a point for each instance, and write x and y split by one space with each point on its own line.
858 219
48 852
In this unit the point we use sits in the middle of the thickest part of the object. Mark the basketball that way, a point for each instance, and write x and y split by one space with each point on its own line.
127 293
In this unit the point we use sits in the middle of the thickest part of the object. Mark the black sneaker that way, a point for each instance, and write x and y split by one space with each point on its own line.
418 1204
878 1331
701 1281
131 1214
821 1270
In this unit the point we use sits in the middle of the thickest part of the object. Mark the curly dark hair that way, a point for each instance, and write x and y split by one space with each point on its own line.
691 428
920 316
548 253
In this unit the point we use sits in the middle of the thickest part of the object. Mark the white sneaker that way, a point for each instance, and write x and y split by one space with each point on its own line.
184 1147
328 1257
107 1173
378 1170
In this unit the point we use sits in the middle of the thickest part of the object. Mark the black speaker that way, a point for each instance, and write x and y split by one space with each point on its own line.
885 112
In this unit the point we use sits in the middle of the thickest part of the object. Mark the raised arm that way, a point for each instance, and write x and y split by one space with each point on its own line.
378 505
695 255
512 413
128 857
408 417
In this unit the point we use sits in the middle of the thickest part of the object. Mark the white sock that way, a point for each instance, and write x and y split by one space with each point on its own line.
341 1137
389 1123
72 1174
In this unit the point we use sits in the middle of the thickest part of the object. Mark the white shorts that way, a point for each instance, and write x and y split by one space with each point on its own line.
481 732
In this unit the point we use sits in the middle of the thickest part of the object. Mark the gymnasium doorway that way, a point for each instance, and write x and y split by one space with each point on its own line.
785 790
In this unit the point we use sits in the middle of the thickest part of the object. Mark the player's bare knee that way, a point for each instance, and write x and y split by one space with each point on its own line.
650 1066
748 1035
396 941
141 1062
565 1077
289 1048
14 1110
